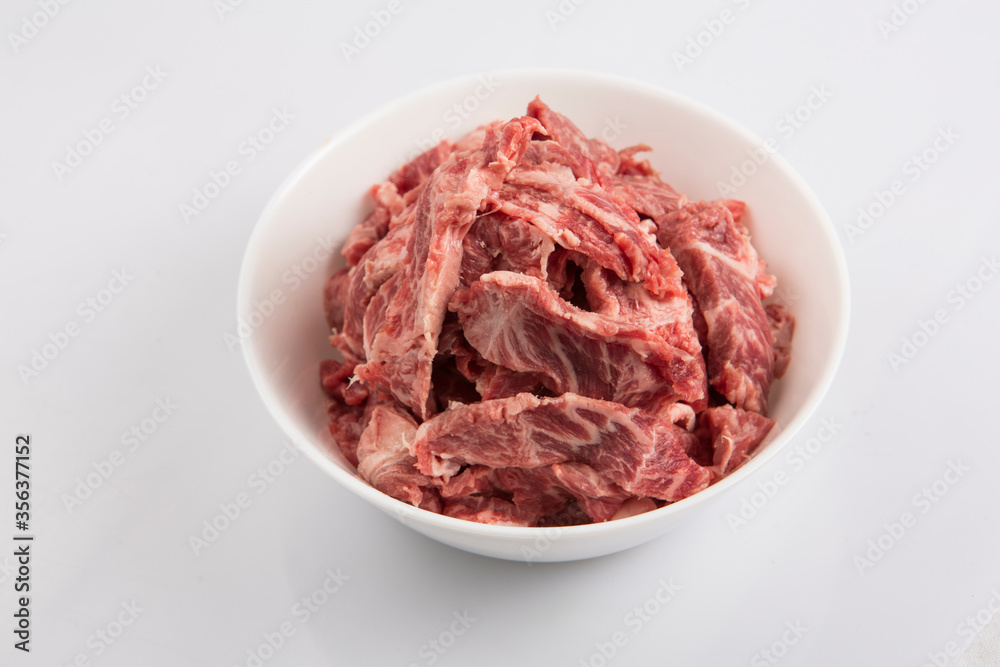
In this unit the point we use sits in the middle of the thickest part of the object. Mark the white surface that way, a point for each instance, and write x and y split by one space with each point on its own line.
285 332
163 337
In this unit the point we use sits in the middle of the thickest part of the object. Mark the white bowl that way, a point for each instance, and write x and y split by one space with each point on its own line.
288 259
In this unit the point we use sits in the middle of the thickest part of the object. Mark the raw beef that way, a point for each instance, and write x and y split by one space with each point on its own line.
782 328
498 242
519 322
731 435
629 447
582 216
390 200
535 329
565 133
411 305
727 280
384 458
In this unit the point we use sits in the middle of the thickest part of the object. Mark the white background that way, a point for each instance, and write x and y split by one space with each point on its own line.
161 337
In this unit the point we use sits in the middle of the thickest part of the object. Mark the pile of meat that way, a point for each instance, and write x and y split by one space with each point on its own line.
536 330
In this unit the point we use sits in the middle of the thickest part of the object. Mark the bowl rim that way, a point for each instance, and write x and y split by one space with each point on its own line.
404 511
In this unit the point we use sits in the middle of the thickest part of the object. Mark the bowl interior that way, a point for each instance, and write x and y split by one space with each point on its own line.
295 247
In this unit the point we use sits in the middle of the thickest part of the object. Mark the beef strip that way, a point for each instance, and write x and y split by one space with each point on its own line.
384 458
568 135
582 216
721 269
669 316
628 447
379 264
782 328
391 199
404 335
335 294
519 323
731 435
498 242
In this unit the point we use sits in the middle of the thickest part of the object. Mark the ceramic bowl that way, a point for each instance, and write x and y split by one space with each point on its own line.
295 247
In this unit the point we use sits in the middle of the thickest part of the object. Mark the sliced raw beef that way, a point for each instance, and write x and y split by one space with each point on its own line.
669 316
415 173
482 509
374 227
782 328
379 264
473 480
452 343
731 435
535 492
539 493
568 135
634 507
346 409
391 199
336 379
629 166
384 458
599 498
520 496
498 242
546 152
347 423
626 446
520 323
501 382
535 329
335 295
581 216
721 270
639 186
404 339
647 195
